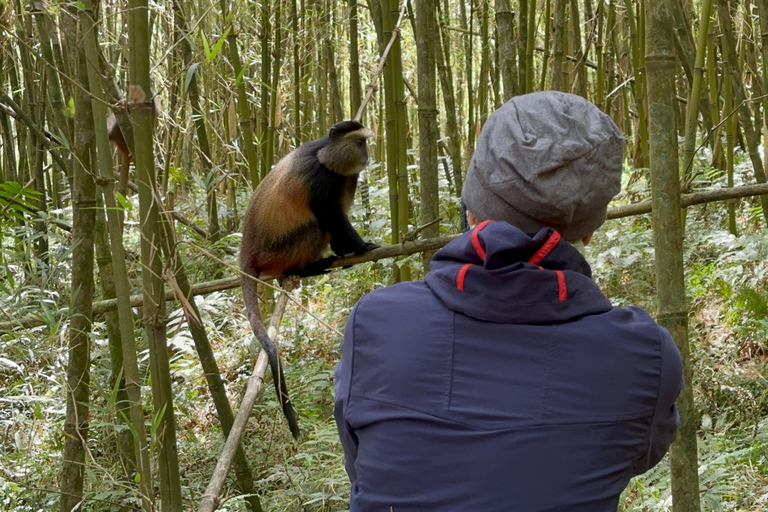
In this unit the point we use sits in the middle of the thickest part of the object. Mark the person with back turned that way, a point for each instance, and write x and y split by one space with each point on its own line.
506 381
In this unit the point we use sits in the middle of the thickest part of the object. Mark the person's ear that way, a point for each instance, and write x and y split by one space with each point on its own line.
471 219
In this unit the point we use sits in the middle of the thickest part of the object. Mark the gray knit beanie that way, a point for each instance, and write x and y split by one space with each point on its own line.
546 159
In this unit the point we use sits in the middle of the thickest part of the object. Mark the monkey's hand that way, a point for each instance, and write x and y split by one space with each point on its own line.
366 248
315 268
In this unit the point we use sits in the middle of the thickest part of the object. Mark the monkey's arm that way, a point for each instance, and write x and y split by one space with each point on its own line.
325 203
344 237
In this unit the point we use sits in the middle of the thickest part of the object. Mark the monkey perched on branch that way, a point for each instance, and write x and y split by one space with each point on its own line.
121 142
294 214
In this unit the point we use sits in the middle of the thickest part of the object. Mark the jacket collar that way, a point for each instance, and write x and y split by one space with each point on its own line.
497 273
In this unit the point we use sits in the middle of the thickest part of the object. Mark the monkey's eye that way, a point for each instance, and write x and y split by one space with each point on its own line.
360 142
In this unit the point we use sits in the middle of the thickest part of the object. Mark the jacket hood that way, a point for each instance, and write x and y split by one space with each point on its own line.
497 273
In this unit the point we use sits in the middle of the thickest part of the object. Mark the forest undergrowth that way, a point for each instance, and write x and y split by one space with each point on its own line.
726 277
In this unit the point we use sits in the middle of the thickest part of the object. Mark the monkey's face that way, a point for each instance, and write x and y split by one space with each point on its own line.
355 150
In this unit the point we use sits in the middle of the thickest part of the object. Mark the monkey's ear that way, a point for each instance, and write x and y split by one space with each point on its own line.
333 133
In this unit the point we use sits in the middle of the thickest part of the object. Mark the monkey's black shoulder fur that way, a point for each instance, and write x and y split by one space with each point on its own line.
326 190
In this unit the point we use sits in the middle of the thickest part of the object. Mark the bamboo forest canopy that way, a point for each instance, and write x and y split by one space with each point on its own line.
133 133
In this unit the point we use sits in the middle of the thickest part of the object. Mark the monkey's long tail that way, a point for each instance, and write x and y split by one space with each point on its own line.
251 300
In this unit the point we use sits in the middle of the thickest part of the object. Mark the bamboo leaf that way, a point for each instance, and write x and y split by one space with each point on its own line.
206 46
190 74
216 49
124 202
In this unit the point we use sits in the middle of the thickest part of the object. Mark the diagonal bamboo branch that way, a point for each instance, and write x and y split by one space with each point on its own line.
372 84
210 500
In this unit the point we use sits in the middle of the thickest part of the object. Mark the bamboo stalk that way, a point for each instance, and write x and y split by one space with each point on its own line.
730 137
445 72
243 111
600 54
77 416
672 312
547 38
505 32
427 40
558 72
692 114
266 63
529 47
122 301
371 88
739 96
401 133
638 63
355 92
141 108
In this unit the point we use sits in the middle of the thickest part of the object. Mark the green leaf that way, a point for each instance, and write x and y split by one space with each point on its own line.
218 46
206 47
190 74
240 75
124 202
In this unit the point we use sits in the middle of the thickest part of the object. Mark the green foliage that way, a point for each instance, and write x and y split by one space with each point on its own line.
16 202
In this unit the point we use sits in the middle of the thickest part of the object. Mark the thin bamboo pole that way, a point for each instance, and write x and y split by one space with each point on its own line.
141 108
529 45
740 98
210 500
730 137
668 240
122 287
692 114
243 111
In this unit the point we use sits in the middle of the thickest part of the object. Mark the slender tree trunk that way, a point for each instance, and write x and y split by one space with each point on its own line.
740 98
427 40
47 36
355 90
730 138
692 116
558 77
668 239
445 72
580 87
244 113
78 361
548 31
714 98
600 54
638 64
485 61
469 75
112 319
401 133
522 41
529 45
275 97
390 121
122 288
333 76
140 108
686 52
505 30
266 63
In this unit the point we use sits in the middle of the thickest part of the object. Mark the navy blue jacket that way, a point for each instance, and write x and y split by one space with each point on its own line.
504 382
